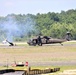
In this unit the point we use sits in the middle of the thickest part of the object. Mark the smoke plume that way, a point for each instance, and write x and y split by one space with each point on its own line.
12 28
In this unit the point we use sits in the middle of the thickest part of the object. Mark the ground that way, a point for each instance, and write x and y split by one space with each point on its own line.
46 55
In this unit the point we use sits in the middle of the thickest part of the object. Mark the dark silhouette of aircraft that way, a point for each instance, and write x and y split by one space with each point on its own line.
11 44
40 40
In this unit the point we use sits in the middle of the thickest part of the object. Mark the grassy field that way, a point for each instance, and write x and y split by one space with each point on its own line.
45 54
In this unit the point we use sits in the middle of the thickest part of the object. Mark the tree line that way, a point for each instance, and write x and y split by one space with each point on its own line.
49 24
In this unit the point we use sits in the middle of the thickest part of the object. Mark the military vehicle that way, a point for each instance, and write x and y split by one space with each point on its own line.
40 40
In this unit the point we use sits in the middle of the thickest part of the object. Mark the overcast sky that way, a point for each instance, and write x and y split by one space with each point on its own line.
35 6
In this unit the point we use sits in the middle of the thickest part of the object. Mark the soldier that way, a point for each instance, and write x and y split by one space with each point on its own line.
39 41
68 36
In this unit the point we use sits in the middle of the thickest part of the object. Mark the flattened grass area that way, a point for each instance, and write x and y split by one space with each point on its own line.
37 54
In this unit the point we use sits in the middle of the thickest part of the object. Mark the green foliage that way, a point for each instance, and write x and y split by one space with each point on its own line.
57 24
51 24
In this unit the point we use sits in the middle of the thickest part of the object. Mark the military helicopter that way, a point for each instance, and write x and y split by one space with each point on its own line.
40 40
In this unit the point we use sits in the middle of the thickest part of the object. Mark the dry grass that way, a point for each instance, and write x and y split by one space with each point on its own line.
38 53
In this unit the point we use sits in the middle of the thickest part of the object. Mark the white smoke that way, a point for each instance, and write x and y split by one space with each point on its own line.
12 28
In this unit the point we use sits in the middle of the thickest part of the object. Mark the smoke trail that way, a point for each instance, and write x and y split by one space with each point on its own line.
11 28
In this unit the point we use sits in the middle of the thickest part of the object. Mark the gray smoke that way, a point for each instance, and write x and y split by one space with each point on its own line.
12 28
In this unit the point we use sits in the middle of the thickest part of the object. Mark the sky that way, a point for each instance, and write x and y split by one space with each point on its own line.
35 6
